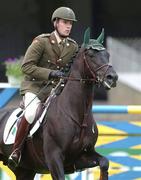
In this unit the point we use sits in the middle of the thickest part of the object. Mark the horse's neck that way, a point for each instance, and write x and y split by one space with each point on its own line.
78 94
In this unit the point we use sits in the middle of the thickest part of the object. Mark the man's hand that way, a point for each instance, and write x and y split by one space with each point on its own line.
56 74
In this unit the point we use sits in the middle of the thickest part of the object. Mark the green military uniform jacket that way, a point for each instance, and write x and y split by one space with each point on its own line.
43 56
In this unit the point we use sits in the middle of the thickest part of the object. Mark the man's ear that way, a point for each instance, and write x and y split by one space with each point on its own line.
55 23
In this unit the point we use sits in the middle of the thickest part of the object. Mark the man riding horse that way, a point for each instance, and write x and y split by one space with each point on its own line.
47 58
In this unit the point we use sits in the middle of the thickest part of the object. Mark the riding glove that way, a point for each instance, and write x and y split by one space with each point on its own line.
56 74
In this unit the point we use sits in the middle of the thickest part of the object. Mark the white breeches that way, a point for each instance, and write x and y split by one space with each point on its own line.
31 102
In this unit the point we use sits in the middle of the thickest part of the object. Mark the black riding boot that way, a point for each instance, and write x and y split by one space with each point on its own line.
21 135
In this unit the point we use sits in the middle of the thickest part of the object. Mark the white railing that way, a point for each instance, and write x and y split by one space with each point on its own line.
125 54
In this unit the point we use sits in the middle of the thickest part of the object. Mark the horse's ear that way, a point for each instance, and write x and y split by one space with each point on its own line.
100 39
86 37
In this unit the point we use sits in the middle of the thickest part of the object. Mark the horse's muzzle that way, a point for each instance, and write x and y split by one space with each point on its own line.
110 81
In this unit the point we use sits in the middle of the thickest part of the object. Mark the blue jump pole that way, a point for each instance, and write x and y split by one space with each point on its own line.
123 109
6 95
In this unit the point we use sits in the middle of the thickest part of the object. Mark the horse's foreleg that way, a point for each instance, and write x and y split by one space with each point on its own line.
22 174
55 165
86 160
54 160
93 159
104 166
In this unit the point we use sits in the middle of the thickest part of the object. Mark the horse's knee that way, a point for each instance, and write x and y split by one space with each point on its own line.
104 163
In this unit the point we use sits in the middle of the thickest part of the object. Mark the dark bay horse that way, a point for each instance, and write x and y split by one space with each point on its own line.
66 140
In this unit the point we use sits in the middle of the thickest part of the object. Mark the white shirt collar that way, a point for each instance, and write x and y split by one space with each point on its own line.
57 37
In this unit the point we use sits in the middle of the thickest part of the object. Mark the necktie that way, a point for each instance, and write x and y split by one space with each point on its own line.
61 45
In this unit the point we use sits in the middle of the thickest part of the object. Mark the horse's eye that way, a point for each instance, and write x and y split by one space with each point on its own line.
91 54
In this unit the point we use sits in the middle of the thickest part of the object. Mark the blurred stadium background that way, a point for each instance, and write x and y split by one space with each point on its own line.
21 21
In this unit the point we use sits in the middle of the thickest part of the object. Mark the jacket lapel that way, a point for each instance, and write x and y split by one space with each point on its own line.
54 44
66 49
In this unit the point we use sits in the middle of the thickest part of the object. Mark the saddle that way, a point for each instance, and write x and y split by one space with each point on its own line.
14 119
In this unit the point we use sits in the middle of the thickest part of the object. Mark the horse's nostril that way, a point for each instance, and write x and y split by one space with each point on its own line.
112 77
109 77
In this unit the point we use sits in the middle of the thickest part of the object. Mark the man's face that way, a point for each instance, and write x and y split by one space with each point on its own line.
64 27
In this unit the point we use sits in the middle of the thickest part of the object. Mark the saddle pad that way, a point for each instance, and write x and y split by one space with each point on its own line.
11 127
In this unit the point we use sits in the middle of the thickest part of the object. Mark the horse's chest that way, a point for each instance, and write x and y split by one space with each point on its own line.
83 139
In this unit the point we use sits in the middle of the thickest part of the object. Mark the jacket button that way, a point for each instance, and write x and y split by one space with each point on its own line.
59 60
52 41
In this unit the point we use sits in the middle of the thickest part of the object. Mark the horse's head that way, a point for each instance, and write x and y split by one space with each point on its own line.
96 59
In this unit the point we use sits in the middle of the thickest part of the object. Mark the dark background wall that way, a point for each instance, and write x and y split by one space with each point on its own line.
21 21
121 18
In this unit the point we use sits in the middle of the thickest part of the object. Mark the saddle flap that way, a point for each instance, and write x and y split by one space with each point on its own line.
12 122
11 127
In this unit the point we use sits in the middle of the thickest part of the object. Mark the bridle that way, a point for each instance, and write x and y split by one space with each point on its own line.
95 76
98 80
